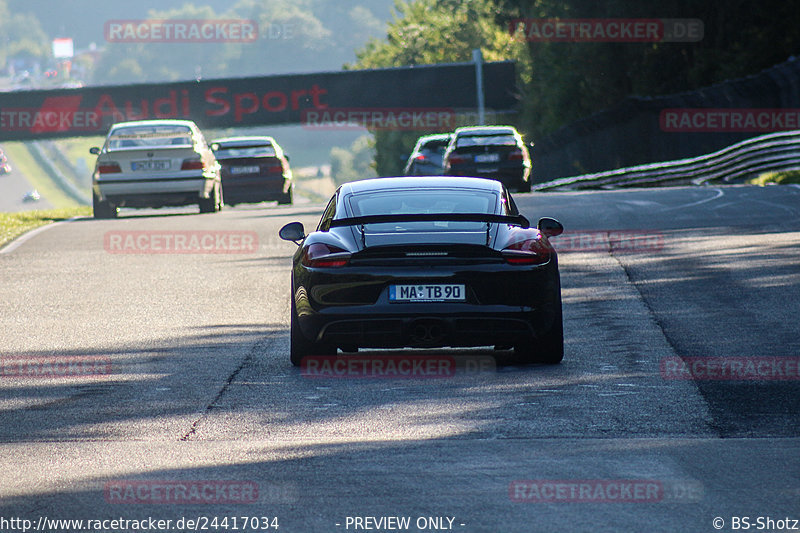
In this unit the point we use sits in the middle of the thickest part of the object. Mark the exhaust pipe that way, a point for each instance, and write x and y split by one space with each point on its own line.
427 332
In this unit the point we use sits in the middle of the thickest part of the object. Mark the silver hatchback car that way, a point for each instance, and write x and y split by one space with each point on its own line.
155 163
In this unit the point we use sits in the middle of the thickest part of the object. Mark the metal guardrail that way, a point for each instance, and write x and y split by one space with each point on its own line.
55 174
772 152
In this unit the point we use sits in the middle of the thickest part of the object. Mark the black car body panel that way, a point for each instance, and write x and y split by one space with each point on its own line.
253 169
352 296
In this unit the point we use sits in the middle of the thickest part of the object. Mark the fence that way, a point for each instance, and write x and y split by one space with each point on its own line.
632 133
772 152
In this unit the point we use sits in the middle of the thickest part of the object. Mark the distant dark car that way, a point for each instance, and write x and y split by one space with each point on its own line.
425 262
428 155
495 152
254 169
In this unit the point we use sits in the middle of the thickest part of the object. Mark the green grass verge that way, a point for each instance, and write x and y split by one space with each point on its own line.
12 225
789 176
22 160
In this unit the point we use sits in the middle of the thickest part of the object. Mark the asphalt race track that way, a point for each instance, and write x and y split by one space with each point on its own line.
191 383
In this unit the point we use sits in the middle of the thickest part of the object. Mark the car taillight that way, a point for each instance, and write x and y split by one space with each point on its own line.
527 252
193 163
274 168
516 155
324 255
420 157
109 168
457 159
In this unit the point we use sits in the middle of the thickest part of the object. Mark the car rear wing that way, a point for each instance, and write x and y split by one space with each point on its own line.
514 220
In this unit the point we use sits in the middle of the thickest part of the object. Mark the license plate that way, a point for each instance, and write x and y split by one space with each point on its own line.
427 293
245 170
487 158
150 165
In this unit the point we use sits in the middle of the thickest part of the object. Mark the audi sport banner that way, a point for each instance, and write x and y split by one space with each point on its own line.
422 97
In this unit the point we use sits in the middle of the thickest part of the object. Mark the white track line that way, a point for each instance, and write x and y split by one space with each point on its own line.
682 206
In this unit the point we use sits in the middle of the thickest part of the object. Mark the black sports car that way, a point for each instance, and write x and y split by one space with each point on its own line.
425 262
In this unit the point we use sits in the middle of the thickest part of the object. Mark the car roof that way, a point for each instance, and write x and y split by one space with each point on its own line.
161 122
434 137
245 140
420 182
486 130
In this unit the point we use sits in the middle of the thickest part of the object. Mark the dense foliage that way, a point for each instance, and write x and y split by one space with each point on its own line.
560 82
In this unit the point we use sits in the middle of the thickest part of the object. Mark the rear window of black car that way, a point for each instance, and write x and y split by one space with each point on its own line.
434 146
266 150
422 201
485 140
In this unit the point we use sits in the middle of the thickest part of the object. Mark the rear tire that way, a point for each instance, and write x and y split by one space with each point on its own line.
547 349
213 203
287 198
103 209
301 347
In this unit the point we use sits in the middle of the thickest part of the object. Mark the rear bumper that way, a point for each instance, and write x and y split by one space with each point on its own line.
154 191
424 330
255 189
502 308
510 177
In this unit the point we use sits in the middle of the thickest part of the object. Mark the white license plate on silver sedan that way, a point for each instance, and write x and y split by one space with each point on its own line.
427 293
158 164
245 170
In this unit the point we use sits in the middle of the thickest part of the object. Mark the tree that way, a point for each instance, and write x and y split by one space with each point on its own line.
573 80
355 163
433 31
21 36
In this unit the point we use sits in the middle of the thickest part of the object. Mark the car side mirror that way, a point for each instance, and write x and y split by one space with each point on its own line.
94 150
550 226
293 231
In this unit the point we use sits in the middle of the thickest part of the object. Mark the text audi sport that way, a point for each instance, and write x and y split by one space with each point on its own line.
425 262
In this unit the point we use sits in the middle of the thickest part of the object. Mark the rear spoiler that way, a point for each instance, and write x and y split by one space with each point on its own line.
514 220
